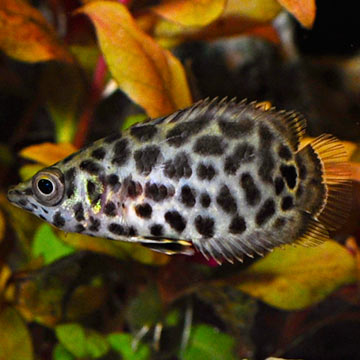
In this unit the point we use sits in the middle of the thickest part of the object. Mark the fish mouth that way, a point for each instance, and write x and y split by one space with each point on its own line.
16 196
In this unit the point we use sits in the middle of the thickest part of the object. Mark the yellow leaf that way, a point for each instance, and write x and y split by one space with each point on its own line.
15 341
5 273
26 35
260 10
119 249
150 75
250 17
304 10
190 12
47 153
297 277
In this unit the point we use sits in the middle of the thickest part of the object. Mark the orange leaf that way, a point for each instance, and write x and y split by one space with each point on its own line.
355 171
47 153
148 74
190 12
26 35
303 10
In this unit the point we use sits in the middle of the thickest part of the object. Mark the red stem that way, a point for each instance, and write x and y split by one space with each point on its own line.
96 89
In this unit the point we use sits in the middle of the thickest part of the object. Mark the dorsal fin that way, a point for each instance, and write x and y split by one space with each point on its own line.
290 124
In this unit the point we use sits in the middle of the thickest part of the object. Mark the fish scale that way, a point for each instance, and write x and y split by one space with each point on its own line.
224 178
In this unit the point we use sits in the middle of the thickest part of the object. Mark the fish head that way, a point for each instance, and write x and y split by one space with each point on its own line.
42 195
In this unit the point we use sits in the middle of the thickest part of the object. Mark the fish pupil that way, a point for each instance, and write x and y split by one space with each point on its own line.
45 186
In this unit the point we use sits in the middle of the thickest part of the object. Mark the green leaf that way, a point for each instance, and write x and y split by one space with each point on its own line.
145 309
15 341
208 343
122 343
63 89
82 342
297 277
96 344
72 337
48 245
60 353
133 119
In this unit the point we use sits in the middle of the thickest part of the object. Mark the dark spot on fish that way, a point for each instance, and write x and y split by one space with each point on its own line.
94 224
299 191
121 152
175 220
285 152
243 153
226 201
290 175
90 166
146 158
181 132
42 217
287 203
44 210
116 229
302 169
179 167
252 193
157 192
237 225
205 226
99 153
110 209
279 223
205 171
79 211
79 228
143 210
58 220
188 196
69 158
205 200
267 166
234 129
113 180
156 230
111 138
279 185
266 212
266 137
210 145
90 187
22 202
28 192
133 189
131 231
143 132
70 182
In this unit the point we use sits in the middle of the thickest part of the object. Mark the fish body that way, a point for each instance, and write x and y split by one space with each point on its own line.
225 178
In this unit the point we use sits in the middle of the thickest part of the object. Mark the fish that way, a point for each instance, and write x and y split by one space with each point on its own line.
224 178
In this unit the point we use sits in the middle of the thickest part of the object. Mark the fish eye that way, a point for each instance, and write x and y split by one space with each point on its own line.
48 186
45 186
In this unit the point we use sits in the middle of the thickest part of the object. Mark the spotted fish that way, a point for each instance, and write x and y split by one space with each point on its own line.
223 178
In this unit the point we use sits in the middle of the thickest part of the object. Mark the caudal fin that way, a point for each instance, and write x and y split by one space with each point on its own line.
326 181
